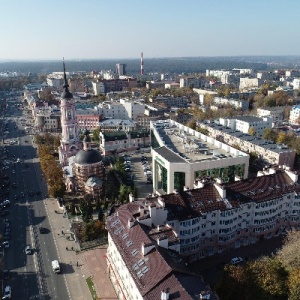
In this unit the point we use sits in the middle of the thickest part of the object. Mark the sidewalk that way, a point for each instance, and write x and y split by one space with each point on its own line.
78 267
74 278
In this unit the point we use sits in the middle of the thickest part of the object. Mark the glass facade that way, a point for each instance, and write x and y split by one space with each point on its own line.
226 174
179 180
161 176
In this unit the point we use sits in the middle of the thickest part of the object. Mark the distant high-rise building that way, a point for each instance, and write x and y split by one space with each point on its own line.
142 63
120 69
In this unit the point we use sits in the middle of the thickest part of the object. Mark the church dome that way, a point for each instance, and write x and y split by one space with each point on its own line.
86 157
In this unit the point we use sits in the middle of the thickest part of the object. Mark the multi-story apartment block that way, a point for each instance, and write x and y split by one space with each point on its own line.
245 123
296 83
133 109
196 223
122 141
103 86
247 83
181 154
292 73
87 119
236 103
195 82
276 113
109 125
155 85
295 115
56 81
76 85
48 120
267 151
142 256
215 218
181 102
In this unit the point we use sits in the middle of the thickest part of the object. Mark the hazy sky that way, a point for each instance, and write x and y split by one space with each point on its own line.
78 29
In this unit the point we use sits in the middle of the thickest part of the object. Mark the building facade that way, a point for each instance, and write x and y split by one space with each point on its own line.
180 155
267 151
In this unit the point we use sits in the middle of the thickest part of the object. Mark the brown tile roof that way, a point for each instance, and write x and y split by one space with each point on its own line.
151 272
193 203
260 189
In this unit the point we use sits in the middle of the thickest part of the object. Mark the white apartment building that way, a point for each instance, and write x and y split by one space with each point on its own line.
180 155
295 115
249 83
244 123
133 109
267 151
236 103
276 113
125 109
296 83
56 81
143 256
192 81
209 219
98 87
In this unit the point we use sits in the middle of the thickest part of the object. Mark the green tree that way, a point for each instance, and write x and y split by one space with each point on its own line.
251 131
96 133
281 138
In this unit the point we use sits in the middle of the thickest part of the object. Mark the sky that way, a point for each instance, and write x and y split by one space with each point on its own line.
110 29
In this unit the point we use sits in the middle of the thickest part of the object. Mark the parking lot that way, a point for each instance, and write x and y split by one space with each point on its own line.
143 186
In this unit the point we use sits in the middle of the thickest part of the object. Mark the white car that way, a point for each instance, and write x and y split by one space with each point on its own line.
28 250
7 292
236 260
6 244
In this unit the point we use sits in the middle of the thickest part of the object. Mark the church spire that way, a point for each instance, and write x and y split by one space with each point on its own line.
66 93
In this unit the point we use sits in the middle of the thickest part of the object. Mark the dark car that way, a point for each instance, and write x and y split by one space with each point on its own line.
43 230
6 274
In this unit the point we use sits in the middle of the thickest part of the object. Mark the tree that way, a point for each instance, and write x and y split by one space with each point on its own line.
270 275
96 133
281 138
203 130
294 284
289 254
251 131
191 124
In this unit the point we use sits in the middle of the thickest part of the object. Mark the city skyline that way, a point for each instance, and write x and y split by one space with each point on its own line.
117 29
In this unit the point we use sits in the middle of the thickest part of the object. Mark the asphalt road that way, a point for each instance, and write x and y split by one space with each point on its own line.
31 275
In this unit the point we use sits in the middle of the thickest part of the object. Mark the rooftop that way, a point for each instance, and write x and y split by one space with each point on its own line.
185 145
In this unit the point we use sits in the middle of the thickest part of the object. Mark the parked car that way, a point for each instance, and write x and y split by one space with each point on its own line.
6 244
236 260
28 250
7 292
6 274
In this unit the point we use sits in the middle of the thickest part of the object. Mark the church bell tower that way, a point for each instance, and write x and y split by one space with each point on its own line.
70 143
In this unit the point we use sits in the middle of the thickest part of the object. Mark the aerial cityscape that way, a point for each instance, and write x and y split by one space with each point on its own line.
150 150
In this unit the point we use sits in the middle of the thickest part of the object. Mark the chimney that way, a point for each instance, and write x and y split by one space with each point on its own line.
130 222
165 295
131 197
146 248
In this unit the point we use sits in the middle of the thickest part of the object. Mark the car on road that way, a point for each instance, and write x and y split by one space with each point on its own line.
42 230
6 274
6 244
5 203
236 260
7 292
28 250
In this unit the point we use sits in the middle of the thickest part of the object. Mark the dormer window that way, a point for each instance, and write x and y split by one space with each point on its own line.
69 115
